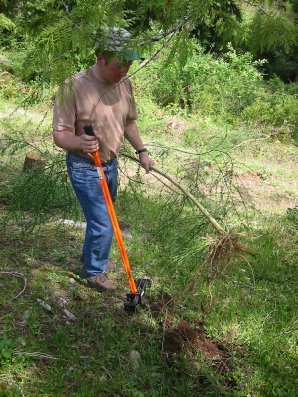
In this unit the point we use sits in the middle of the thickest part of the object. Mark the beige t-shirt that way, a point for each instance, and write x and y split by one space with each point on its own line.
108 107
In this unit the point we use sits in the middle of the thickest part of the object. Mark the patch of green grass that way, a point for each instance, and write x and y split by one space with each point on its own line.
248 310
241 307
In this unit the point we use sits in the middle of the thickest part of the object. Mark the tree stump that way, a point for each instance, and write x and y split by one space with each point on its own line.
33 160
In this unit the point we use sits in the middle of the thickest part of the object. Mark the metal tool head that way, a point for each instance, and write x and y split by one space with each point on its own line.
138 298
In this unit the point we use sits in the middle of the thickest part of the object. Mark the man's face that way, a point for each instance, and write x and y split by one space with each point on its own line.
113 71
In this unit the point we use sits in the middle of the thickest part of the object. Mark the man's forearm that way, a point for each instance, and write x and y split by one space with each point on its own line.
70 141
67 140
133 136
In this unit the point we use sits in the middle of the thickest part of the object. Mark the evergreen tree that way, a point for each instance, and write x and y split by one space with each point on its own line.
58 36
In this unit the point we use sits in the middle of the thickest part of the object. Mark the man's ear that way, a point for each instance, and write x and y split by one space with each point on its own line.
101 60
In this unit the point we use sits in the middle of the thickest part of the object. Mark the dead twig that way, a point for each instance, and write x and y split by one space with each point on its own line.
20 275
37 355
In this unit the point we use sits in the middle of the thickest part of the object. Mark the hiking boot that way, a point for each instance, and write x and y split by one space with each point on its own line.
100 282
83 274
110 267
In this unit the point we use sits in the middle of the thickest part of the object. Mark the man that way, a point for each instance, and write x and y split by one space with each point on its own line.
102 97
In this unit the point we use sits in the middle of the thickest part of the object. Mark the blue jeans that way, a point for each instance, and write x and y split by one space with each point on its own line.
99 232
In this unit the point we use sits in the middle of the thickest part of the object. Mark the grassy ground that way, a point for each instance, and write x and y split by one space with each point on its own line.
217 320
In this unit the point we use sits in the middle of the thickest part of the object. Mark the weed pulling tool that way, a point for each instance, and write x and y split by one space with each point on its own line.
135 296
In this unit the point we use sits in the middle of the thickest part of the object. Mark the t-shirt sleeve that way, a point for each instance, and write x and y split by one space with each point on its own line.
64 115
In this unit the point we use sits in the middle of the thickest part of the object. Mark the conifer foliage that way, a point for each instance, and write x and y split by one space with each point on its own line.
58 36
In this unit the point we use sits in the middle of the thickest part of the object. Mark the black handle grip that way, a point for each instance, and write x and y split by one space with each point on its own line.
88 130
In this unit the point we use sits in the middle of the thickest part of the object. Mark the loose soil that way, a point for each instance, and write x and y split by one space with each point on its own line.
183 340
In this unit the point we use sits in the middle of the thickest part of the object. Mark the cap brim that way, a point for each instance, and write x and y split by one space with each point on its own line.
131 55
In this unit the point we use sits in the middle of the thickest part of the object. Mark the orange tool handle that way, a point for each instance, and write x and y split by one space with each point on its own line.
106 193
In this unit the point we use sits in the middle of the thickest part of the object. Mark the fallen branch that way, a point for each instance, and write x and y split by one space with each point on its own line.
210 218
225 247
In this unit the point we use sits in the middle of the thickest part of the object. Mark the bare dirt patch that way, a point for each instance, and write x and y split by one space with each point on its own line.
184 340
267 193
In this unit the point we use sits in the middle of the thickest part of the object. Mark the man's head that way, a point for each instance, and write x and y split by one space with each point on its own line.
115 55
117 42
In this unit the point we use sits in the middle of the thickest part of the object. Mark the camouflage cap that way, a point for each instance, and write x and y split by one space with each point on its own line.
118 40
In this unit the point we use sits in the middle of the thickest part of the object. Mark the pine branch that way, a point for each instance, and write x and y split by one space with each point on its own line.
172 30
65 6
255 5
210 218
